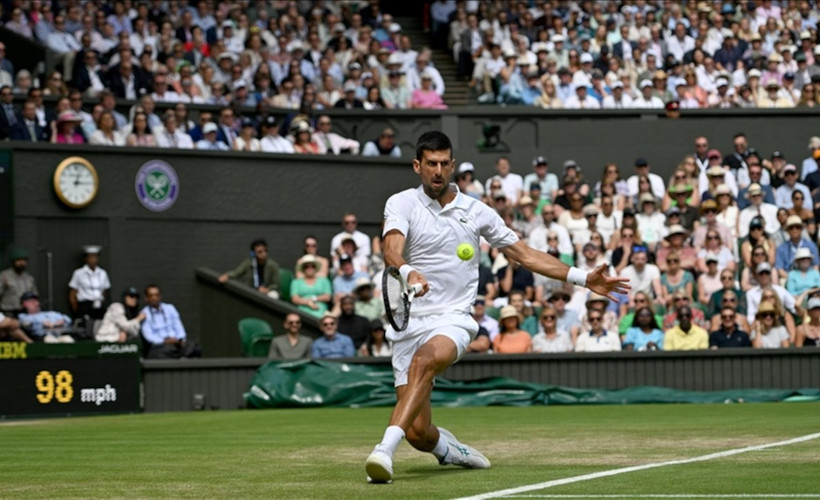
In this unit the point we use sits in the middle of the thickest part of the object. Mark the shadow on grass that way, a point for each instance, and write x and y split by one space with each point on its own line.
426 473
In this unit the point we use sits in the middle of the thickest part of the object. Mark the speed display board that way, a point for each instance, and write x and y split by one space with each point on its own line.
39 379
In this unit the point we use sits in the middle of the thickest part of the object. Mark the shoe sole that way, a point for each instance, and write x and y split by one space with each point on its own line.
377 471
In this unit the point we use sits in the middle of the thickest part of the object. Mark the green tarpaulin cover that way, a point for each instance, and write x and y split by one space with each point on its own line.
312 383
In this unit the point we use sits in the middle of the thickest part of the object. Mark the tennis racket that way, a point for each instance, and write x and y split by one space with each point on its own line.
397 296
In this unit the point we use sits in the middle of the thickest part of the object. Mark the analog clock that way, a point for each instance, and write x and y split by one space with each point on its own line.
76 182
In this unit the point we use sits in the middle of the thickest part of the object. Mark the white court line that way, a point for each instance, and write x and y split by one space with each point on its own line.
624 470
681 495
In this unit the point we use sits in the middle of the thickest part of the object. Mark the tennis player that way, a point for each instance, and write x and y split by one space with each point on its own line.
422 228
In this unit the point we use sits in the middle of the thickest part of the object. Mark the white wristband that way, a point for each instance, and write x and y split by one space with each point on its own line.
577 276
405 271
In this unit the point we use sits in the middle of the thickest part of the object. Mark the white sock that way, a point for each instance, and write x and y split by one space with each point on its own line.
392 437
441 447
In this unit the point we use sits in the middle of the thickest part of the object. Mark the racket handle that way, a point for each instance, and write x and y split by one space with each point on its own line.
416 288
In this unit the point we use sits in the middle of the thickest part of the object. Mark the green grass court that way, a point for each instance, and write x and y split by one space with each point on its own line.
320 453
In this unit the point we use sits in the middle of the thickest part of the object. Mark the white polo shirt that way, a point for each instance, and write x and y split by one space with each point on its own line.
432 234
89 284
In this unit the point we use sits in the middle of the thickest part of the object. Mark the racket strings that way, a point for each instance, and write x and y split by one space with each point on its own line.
396 298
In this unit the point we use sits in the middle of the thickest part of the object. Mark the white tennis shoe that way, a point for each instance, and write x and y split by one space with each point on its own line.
461 454
379 466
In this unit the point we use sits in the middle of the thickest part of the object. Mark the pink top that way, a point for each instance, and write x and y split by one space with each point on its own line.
427 100
76 138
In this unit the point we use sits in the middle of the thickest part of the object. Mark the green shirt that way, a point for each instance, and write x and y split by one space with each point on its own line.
320 287
244 274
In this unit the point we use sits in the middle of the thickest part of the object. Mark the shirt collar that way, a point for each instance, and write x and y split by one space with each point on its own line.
459 201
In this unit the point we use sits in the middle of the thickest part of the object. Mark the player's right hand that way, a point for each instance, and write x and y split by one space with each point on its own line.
417 277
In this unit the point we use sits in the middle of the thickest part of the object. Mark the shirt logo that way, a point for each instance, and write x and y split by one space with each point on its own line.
157 186
463 220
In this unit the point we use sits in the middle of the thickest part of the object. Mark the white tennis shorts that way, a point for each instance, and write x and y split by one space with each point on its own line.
460 328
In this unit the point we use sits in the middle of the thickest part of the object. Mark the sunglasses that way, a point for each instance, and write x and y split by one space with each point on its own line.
673 261
730 299
328 323
556 299
548 318
766 315
594 319
713 237
727 317
293 322
640 301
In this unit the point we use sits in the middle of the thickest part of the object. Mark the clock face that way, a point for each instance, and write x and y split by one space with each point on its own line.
76 182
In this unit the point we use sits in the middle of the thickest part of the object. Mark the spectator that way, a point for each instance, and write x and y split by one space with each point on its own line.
651 223
122 320
783 194
511 339
258 271
416 72
311 248
89 286
291 345
803 276
106 134
50 327
643 277
547 181
14 282
426 97
170 135
109 104
303 142
349 101
786 251
332 344
345 281
808 333
754 296
208 141
163 329
511 183
271 141
65 129
88 77
10 330
757 207
715 249
396 95
728 334
377 344
351 324
141 134
384 145
246 140
311 293
768 331
27 127
485 321
656 182
644 334
62 42
565 318
550 340
367 305
597 338
680 299
331 142
685 335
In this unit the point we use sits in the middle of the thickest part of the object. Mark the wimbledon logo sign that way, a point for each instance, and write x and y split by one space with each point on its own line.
157 186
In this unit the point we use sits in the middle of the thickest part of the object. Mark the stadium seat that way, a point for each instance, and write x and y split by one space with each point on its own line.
256 335
285 278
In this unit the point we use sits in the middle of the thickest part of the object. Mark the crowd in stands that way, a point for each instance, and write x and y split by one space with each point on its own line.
635 53
256 60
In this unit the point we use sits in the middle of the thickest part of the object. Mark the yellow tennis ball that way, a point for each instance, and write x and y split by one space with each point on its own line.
465 251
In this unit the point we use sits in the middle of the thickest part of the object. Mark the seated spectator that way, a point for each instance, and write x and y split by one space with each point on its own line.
51 327
680 299
122 320
395 95
715 249
511 339
351 324
311 247
808 334
644 334
349 101
806 214
106 133
757 208
27 127
65 129
485 321
331 142
246 141
302 138
170 135
367 305
757 246
377 344
676 278
598 304
651 223
14 282
89 285
291 345
528 323
768 331
271 141
426 97
643 277
311 293
345 281
729 333
163 329
332 344
384 145
754 296
258 271
10 330
730 299
141 134
784 256
551 340
597 338
685 335
787 317
802 277
208 141
565 318
674 244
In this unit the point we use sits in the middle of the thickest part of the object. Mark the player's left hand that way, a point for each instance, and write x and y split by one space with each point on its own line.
600 283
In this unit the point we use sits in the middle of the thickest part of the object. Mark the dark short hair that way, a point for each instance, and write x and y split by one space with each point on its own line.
148 287
433 140
259 241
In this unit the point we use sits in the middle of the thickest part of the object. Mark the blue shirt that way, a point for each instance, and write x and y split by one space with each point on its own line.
344 284
639 339
340 346
786 250
34 322
162 323
797 282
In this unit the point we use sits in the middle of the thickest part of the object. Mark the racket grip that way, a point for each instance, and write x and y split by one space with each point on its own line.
416 288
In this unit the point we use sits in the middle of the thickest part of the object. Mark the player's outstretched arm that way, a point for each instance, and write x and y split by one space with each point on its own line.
394 242
547 265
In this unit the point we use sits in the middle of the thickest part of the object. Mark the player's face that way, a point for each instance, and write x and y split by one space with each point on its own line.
435 169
